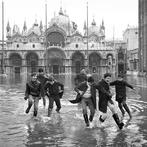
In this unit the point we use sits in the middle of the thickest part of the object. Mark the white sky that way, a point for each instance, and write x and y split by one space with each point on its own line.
117 14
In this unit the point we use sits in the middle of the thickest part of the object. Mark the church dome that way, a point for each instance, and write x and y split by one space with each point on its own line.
93 29
35 29
62 21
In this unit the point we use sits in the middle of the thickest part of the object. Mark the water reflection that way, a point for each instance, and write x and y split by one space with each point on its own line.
67 129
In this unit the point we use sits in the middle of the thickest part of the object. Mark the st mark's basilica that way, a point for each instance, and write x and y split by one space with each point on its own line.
60 48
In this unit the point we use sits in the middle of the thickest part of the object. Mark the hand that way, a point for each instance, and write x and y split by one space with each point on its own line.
60 91
80 92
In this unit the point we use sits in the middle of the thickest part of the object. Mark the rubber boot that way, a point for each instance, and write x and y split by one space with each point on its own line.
91 118
29 107
35 113
49 112
116 118
100 118
86 119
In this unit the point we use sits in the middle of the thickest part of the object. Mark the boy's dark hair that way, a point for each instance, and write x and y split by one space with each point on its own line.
40 70
50 78
120 76
107 75
90 79
33 74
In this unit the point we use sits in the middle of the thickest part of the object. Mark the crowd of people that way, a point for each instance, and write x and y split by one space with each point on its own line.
44 85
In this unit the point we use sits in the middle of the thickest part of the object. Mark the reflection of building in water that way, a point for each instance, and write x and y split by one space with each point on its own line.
59 49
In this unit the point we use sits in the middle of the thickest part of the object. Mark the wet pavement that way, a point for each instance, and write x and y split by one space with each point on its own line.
67 129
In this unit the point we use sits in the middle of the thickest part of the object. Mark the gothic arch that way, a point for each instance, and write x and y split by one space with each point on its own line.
15 59
77 62
94 62
32 62
55 60
15 62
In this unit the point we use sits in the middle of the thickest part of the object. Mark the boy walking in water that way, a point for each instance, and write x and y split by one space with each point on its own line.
33 93
87 91
106 101
120 89
55 91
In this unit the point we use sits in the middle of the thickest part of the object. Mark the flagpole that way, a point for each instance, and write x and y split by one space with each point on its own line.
45 34
87 38
2 37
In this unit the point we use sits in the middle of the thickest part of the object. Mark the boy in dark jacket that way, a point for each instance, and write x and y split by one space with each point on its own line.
42 79
106 101
55 91
120 89
33 93
81 77
87 91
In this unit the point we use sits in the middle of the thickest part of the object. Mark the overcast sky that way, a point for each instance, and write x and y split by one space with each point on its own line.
117 14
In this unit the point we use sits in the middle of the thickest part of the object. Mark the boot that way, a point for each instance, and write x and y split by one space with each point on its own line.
29 107
116 118
86 119
100 118
35 113
49 112
91 118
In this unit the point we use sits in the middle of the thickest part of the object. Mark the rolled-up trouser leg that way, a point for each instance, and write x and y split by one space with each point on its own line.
50 106
36 101
30 103
92 110
120 105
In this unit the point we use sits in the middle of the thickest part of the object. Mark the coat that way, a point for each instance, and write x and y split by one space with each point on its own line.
34 88
104 95
83 87
54 89
120 88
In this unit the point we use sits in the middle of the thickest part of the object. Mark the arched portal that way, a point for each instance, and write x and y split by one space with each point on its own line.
94 62
55 39
15 62
77 62
55 60
32 62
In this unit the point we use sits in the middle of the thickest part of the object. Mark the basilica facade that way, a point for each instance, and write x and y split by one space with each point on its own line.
59 48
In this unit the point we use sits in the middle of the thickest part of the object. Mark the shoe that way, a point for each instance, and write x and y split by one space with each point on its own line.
121 125
87 125
27 110
58 110
35 113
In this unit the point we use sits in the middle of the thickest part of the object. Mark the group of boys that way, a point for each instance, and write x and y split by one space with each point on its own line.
40 86
87 91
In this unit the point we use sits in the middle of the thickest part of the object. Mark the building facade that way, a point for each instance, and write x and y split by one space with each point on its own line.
130 36
60 48
142 35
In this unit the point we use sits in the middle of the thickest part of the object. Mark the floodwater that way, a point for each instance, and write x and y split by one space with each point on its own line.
67 129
